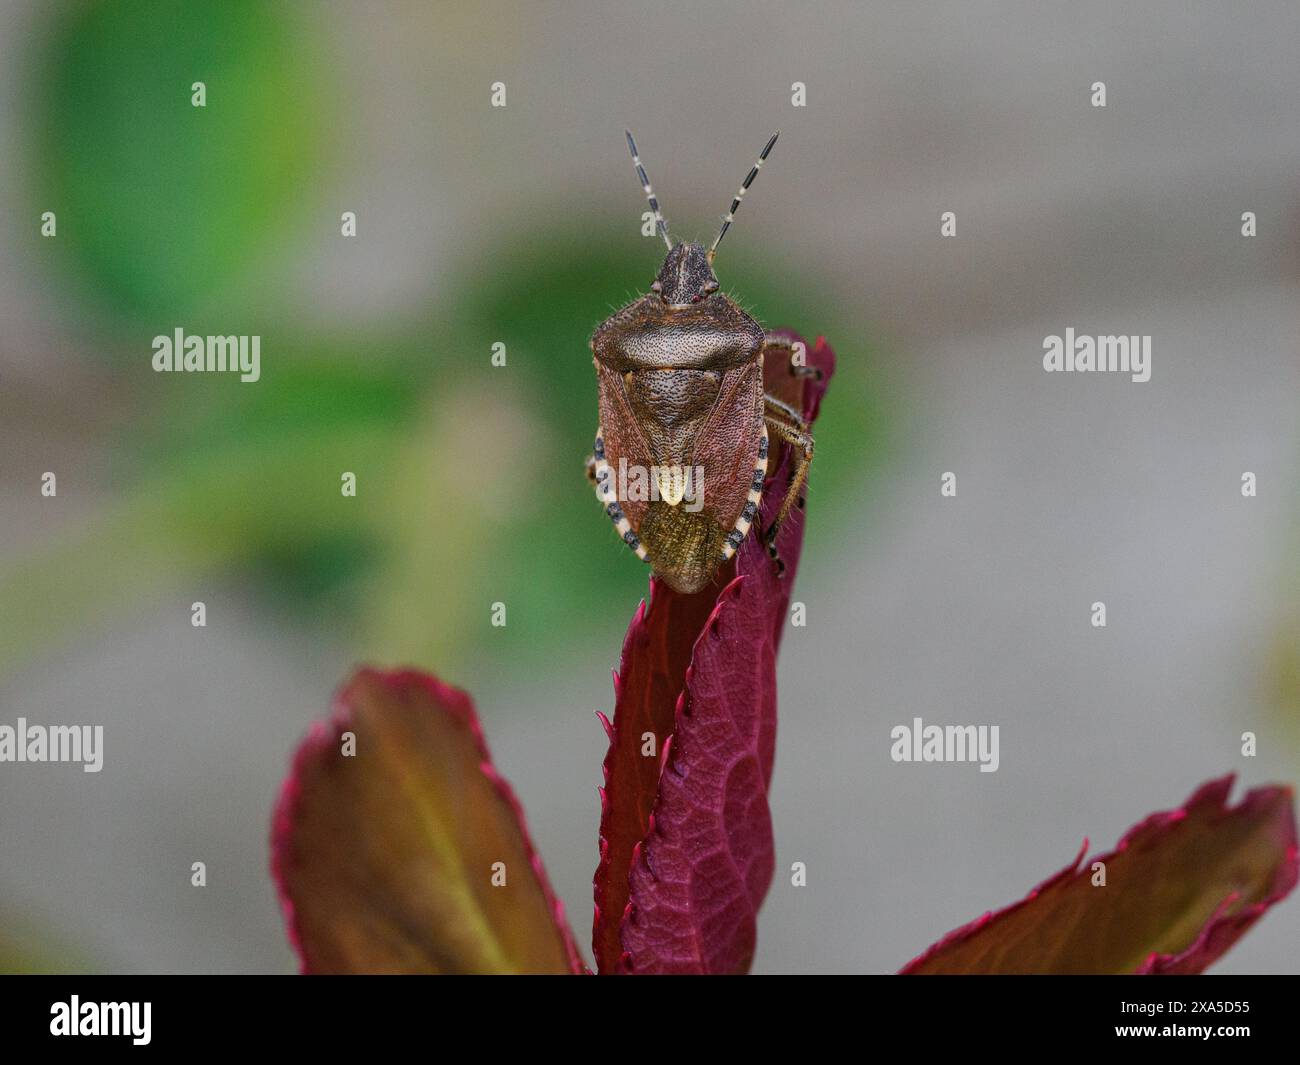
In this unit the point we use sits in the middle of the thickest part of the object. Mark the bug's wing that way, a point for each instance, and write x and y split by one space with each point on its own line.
728 443
622 436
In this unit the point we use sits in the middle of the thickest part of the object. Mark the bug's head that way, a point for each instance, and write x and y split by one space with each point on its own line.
686 276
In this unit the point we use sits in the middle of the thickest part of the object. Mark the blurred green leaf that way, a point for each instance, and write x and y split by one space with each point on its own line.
163 205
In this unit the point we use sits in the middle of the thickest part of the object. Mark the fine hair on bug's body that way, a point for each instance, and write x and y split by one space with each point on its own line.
684 407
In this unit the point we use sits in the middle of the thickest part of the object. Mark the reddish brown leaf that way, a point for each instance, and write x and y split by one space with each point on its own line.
385 858
1181 888
651 675
721 717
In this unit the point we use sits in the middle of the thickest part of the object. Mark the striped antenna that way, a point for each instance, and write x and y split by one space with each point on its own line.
649 192
735 204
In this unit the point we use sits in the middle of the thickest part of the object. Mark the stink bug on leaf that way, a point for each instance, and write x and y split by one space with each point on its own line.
688 410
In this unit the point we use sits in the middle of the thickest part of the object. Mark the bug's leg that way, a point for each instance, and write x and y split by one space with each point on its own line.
784 346
786 423
775 408
783 412
797 436
591 468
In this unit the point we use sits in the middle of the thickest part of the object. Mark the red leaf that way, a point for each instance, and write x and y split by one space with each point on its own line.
385 857
1181 888
699 672
651 675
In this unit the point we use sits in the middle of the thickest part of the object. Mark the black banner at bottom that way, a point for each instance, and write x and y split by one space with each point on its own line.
143 1014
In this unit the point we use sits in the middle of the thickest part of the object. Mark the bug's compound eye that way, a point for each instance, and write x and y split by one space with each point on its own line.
655 286
710 288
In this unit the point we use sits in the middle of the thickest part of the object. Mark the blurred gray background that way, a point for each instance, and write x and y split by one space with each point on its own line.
1071 488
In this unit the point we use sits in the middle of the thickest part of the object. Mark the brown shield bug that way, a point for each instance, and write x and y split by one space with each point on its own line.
682 447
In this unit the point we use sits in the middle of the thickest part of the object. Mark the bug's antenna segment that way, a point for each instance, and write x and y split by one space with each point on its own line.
649 193
735 204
